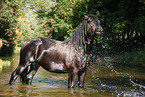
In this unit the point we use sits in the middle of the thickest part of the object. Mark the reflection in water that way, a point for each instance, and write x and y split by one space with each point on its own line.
103 79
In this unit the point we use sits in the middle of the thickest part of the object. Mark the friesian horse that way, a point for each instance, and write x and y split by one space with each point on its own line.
71 56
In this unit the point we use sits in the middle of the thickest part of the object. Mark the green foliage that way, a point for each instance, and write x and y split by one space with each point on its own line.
56 20
132 58
28 25
123 22
124 18
60 20
10 10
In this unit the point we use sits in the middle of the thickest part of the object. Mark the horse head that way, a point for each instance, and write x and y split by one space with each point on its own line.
92 25
92 28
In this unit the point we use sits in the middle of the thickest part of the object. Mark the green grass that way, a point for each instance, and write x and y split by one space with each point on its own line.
132 58
4 63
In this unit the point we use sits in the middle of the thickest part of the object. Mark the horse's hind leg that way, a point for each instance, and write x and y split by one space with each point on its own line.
33 69
23 75
16 73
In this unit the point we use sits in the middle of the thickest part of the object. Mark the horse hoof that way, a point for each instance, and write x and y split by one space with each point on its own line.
70 86
81 86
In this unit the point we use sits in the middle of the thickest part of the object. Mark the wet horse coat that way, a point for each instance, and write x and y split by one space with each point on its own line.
70 56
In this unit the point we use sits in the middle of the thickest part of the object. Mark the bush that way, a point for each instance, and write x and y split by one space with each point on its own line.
132 58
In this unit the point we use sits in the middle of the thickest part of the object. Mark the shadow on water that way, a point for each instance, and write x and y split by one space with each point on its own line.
103 79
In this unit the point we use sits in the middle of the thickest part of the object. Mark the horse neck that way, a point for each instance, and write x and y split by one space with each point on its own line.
79 40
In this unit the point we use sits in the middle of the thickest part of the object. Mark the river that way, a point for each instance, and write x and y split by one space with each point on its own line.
102 80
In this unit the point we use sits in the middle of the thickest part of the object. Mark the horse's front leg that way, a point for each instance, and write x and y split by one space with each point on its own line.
81 78
71 78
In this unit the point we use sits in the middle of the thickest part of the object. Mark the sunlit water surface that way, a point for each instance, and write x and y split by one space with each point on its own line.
102 80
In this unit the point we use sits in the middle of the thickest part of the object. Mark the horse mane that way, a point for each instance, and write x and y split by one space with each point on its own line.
78 39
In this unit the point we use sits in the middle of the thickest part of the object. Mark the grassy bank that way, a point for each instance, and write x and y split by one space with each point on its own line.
4 63
132 58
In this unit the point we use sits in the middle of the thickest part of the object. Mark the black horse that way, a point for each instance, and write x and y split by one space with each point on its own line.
70 56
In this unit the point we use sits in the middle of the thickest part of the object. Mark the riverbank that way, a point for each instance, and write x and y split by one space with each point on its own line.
5 62
132 58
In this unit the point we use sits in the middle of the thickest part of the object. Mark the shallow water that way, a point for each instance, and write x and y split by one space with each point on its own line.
102 80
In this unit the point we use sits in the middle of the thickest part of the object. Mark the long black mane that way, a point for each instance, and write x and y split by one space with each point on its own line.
79 39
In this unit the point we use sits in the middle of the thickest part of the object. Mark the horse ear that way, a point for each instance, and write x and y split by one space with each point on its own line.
86 17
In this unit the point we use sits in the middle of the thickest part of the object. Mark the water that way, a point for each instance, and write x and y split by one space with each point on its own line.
103 79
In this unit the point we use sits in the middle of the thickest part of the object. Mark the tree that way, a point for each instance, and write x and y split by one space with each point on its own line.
9 29
123 22
55 20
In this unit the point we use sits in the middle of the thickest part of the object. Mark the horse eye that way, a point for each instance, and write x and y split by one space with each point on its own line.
96 22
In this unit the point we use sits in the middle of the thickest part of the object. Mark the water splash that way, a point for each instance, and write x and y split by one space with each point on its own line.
112 78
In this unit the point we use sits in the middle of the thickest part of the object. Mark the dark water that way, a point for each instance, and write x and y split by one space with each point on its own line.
102 80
